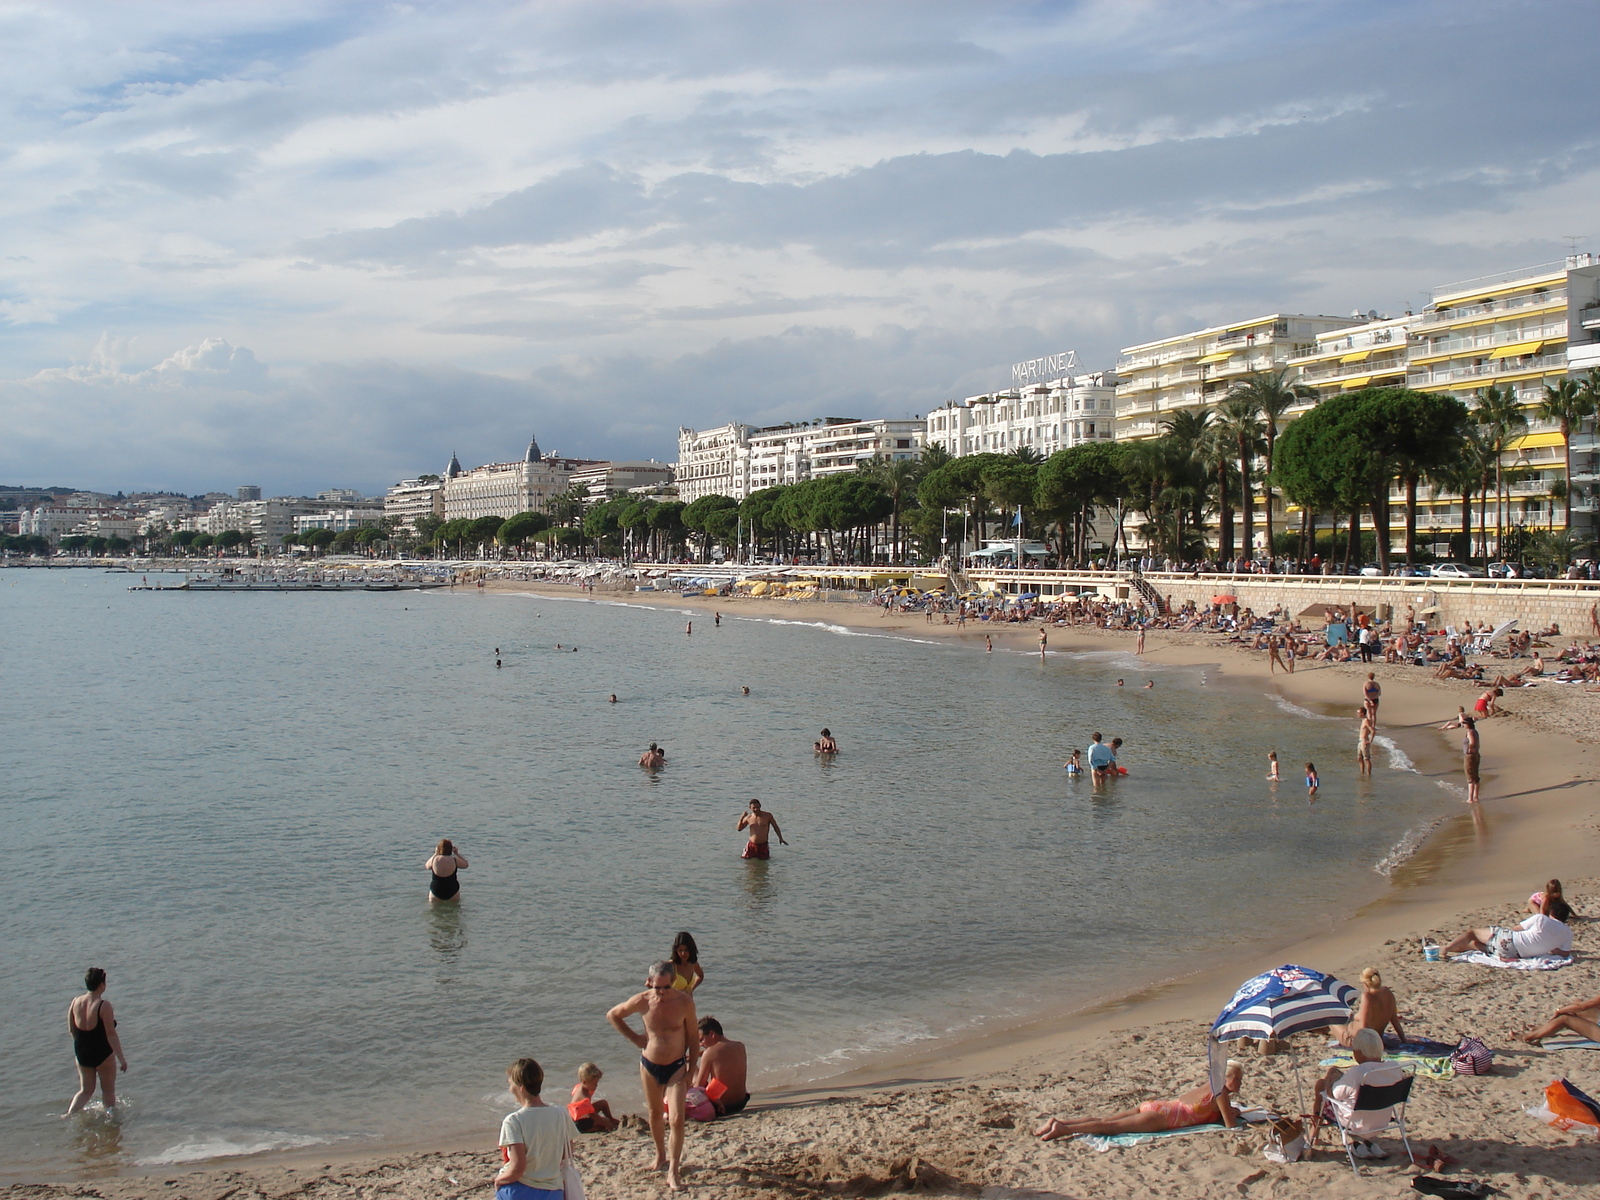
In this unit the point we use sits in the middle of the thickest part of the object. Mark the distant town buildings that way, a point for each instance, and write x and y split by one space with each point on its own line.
607 479
413 498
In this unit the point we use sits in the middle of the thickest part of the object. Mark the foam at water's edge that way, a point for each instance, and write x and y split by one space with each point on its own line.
1406 848
841 630
220 1147
1399 760
1290 707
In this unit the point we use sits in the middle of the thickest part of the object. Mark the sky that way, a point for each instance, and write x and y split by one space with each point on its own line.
309 245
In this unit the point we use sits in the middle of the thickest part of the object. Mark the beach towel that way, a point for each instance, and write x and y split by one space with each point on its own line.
1104 1142
1570 1044
1430 1066
1545 962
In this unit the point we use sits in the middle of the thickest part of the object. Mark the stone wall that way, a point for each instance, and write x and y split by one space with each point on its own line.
1532 602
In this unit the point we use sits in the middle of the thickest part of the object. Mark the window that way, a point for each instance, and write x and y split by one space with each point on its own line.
902 443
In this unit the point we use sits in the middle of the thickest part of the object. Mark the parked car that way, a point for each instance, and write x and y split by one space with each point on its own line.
1452 570
1409 572
1372 569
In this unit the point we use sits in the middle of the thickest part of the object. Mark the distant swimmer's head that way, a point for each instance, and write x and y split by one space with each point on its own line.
94 979
684 949
445 846
526 1076
1119 683
613 697
745 691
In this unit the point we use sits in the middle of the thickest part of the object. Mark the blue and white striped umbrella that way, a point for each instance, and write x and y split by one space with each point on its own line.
1282 1001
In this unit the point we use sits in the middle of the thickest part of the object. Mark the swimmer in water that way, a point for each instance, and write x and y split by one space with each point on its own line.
653 758
1119 683
1148 684
826 745
613 699
497 662
744 691
1074 765
1311 779
988 644
1272 766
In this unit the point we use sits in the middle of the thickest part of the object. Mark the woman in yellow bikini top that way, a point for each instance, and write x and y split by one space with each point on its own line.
686 963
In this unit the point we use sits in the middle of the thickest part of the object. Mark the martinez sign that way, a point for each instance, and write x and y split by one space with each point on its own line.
1038 370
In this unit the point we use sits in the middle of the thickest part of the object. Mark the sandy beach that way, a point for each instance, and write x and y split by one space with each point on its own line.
959 1121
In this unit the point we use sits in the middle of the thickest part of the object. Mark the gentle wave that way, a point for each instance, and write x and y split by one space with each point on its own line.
1454 788
1289 706
219 1147
1399 760
1406 848
875 1039
841 630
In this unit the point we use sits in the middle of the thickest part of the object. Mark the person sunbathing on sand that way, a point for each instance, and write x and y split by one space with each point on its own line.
1195 1107
1378 1010
1582 1019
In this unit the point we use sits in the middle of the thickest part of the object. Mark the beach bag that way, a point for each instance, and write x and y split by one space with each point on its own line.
1472 1057
571 1181
1286 1141
1566 1107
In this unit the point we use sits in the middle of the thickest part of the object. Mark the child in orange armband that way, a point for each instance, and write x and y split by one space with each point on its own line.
591 1115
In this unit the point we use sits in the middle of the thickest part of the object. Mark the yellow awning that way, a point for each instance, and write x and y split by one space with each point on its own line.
1534 441
1356 356
1350 385
1217 357
1463 299
1518 350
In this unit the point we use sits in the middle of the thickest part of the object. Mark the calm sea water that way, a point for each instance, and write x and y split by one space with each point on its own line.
225 800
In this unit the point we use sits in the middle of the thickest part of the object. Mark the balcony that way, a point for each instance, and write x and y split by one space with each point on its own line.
1549 331
1452 316
1589 317
1488 371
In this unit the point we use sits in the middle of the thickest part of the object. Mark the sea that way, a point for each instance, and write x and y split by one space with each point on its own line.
226 800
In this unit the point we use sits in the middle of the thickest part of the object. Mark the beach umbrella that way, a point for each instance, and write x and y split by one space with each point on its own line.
1224 599
1280 1002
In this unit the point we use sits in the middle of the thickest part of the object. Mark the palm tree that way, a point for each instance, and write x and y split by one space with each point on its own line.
1567 403
1465 474
1189 430
1274 396
899 478
1500 412
1239 425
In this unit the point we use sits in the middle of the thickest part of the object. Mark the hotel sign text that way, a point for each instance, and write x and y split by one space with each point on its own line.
1037 370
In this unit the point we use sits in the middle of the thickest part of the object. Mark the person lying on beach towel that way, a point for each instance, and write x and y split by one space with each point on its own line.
1582 1018
1539 936
1195 1107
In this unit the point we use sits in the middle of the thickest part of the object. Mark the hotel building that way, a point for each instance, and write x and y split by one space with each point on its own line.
506 489
1045 417
736 460
1196 369
413 498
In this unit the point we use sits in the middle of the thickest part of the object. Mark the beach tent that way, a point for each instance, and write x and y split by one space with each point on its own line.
1277 1003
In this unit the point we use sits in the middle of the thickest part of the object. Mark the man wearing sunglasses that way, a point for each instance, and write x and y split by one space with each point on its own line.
670 1048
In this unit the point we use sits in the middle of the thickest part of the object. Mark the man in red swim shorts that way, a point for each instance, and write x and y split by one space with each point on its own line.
759 822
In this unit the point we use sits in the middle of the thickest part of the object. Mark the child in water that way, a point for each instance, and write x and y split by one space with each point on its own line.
1311 778
1272 766
1074 765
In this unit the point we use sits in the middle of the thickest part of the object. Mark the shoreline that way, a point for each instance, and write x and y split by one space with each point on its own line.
1515 841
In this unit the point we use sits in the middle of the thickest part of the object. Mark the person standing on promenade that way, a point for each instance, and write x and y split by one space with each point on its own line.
93 1027
1364 741
1371 693
670 1050
724 1060
442 867
534 1139
760 823
1470 750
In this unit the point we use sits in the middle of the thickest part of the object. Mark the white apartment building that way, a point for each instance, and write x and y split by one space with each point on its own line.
736 460
1195 369
506 489
1045 417
607 479
268 520
413 498
342 520
54 521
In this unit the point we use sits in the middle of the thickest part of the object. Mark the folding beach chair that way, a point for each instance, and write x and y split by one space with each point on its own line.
1390 1096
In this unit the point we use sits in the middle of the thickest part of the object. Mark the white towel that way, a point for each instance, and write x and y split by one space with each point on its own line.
1545 962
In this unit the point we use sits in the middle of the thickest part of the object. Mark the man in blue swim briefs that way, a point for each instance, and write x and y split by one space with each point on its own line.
1101 760
670 1046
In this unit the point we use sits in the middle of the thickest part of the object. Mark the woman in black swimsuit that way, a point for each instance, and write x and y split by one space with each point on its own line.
442 868
94 1043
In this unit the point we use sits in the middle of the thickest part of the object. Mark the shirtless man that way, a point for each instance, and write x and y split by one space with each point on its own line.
1364 741
760 823
670 1048
724 1060
652 758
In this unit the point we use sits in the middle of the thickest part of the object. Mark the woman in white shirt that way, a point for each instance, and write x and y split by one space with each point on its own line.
533 1140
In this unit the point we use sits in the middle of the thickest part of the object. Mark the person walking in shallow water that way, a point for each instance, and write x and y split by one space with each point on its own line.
95 1043
760 823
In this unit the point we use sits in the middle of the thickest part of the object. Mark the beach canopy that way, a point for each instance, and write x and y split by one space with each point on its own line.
1282 1001
1224 599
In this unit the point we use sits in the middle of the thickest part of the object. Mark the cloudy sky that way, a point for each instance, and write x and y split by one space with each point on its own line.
312 244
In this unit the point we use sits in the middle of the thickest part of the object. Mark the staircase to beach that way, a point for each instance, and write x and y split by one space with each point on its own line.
1148 593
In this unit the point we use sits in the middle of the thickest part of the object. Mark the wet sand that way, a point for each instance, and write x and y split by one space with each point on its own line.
957 1120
